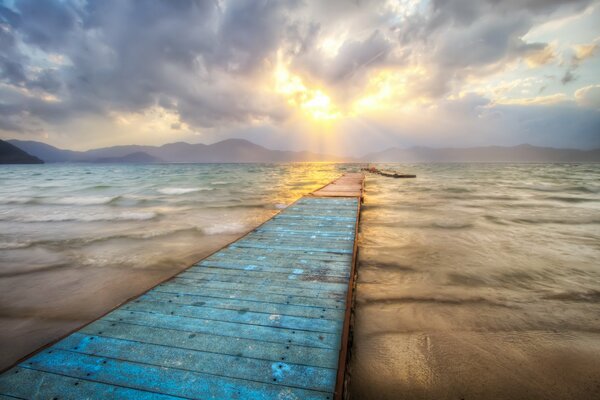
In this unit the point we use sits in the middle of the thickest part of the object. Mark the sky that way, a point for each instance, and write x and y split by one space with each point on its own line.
342 77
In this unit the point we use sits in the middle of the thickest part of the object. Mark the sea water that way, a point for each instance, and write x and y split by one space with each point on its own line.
474 280
76 240
479 281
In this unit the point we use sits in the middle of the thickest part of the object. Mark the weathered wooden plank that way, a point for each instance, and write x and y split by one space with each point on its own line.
293 269
250 295
270 289
249 278
240 316
205 362
281 246
302 355
229 329
26 383
305 276
243 305
301 255
277 258
170 381
270 281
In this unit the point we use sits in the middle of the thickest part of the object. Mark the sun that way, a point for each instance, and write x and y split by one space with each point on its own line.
315 103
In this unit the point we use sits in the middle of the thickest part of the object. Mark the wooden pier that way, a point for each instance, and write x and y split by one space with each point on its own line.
266 317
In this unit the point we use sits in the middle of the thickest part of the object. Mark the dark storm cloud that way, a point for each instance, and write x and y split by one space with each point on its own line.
45 24
129 55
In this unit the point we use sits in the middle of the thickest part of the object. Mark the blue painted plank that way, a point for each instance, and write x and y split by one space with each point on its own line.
271 289
278 260
240 316
249 277
25 383
302 355
250 295
291 268
299 254
309 276
170 381
258 245
229 329
306 377
298 280
243 305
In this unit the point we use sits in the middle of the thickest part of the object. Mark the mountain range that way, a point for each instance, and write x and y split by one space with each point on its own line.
226 151
11 154
520 153
244 151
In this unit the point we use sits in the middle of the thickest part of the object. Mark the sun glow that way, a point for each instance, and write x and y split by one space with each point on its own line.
313 102
384 90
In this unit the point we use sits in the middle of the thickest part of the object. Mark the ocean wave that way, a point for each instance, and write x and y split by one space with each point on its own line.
82 200
458 190
225 228
62 201
568 199
85 241
451 225
449 301
590 296
89 217
175 190
16 200
560 221
559 188
12 245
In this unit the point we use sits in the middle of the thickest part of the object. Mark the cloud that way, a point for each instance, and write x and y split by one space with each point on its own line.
539 100
589 96
211 65
543 56
581 52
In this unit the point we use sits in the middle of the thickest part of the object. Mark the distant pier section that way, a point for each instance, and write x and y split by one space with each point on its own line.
266 317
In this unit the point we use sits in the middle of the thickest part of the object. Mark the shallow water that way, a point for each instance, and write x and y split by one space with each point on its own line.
475 281
77 240
479 282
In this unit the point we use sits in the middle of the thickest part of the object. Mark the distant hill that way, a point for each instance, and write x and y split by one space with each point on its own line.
44 151
243 151
10 154
521 153
230 151
138 157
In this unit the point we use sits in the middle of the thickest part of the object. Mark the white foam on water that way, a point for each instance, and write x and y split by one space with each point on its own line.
13 245
175 190
82 200
225 228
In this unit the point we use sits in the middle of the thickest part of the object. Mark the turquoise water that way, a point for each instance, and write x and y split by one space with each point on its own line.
475 280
